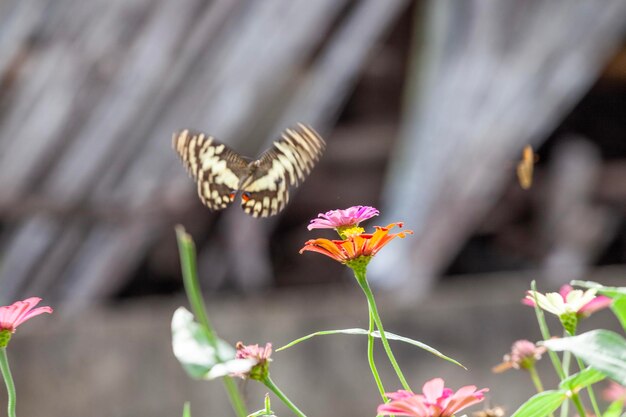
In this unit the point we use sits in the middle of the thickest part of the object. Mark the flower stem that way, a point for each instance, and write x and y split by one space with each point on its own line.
579 405
270 384
565 407
592 396
545 333
362 280
187 252
370 358
8 380
535 378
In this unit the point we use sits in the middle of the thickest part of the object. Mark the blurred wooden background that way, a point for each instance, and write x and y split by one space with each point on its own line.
425 105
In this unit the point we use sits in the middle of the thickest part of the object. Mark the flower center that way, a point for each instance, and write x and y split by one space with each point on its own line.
346 232
569 321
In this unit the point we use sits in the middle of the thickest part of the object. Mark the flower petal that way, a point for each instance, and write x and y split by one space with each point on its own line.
326 247
351 216
20 311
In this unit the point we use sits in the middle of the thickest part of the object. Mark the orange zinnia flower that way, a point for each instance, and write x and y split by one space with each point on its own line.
357 247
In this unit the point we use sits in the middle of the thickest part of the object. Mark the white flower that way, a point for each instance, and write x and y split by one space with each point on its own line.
559 304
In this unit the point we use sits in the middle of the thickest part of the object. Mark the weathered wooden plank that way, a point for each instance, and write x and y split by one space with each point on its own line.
575 228
147 61
503 85
23 257
27 245
63 77
332 77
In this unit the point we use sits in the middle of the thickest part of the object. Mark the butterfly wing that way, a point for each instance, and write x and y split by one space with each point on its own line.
215 167
287 163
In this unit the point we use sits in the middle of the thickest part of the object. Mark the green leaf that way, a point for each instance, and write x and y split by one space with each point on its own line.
608 291
619 309
389 335
614 409
196 353
541 405
187 410
601 349
582 379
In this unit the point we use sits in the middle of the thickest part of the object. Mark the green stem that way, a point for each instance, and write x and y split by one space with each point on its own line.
270 384
579 405
187 252
592 396
535 378
567 357
370 359
564 409
545 334
8 380
362 280
566 360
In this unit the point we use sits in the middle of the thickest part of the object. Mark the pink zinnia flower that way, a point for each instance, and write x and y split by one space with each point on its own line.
436 401
17 313
260 357
568 301
260 354
351 216
524 354
20 311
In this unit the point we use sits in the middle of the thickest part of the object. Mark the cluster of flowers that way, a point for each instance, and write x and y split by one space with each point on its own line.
355 249
210 357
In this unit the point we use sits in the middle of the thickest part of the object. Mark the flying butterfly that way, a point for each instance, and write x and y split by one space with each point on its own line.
221 173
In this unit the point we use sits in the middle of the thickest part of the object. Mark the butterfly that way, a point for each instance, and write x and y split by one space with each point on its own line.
525 168
221 173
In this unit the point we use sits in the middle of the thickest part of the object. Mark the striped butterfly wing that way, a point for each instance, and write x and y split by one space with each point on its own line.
215 167
287 163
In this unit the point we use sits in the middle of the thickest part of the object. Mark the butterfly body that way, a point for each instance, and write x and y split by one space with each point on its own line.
220 173
525 167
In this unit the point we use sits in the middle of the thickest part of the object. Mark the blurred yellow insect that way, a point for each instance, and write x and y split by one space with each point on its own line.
525 167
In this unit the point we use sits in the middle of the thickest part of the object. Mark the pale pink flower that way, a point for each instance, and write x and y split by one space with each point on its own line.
260 354
20 311
436 401
351 216
614 392
260 357
524 354
568 300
